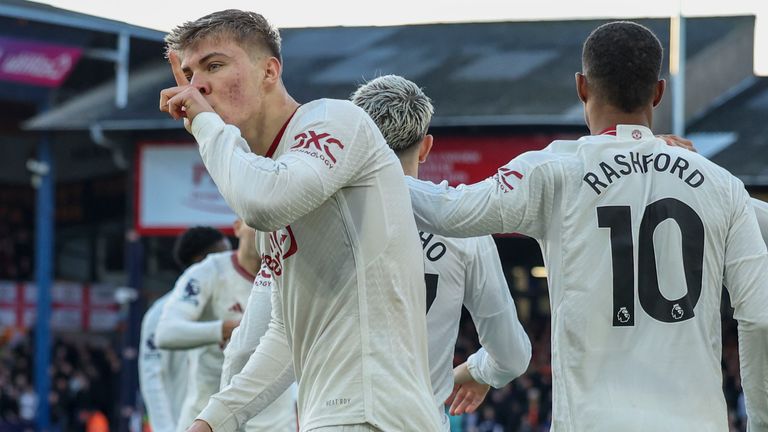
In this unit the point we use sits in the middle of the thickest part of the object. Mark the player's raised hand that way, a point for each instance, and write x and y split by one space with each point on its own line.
185 100
676 141
467 393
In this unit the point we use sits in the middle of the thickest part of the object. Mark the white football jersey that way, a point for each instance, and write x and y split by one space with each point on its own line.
345 255
761 211
162 374
467 271
245 338
209 292
639 238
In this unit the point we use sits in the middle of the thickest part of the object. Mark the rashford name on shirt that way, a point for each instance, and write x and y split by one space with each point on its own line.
636 163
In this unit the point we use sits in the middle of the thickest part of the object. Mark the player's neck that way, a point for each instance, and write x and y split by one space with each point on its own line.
410 163
249 261
276 112
607 118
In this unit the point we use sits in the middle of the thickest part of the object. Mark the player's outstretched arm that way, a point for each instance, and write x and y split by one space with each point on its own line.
518 198
270 194
254 324
506 348
267 375
179 327
746 279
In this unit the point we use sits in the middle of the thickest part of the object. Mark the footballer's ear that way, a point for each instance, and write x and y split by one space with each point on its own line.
272 70
582 87
425 147
661 85
236 225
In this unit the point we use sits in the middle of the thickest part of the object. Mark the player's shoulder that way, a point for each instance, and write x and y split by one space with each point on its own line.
157 306
210 266
330 110
153 312
712 171
558 152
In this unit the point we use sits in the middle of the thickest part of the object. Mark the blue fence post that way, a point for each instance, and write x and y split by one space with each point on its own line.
43 179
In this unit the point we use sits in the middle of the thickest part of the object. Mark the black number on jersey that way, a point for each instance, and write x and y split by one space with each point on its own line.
430 279
619 220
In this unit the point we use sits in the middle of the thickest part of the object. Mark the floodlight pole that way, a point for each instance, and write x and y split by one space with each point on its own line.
677 54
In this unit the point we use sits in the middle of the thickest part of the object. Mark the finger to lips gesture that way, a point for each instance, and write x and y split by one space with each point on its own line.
185 100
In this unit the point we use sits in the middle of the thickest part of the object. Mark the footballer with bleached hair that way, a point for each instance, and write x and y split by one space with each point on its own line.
457 271
399 108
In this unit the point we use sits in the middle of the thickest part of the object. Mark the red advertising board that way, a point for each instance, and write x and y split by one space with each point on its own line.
36 63
469 159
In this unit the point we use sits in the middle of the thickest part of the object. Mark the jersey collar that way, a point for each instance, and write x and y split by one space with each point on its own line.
609 131
241 270
279 136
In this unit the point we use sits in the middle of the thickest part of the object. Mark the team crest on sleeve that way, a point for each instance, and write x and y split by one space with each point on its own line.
151 352
507 178
191 291
319 145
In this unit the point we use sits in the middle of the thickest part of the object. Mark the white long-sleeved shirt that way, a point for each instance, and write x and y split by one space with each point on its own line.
245 338
467 271
638 238
347 265
761 211
206 294
162 374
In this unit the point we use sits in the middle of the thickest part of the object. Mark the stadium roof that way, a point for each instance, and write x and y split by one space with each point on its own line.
738 131
478 74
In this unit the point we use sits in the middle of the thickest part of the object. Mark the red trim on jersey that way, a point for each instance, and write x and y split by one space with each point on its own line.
240 269
608 131
279 136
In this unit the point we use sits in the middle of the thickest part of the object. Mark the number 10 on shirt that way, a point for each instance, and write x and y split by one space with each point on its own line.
619 220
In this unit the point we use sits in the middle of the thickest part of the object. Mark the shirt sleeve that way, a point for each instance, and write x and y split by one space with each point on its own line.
151 379
506 348
747 282
179 327
267 374
518 198
253 326
761 211
270 194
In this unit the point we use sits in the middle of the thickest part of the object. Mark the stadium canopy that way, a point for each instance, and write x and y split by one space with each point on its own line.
513 75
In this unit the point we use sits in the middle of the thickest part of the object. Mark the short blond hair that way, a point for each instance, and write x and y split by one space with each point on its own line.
248 29
399 108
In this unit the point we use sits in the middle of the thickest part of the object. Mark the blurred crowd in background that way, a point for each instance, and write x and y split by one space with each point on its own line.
85 384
